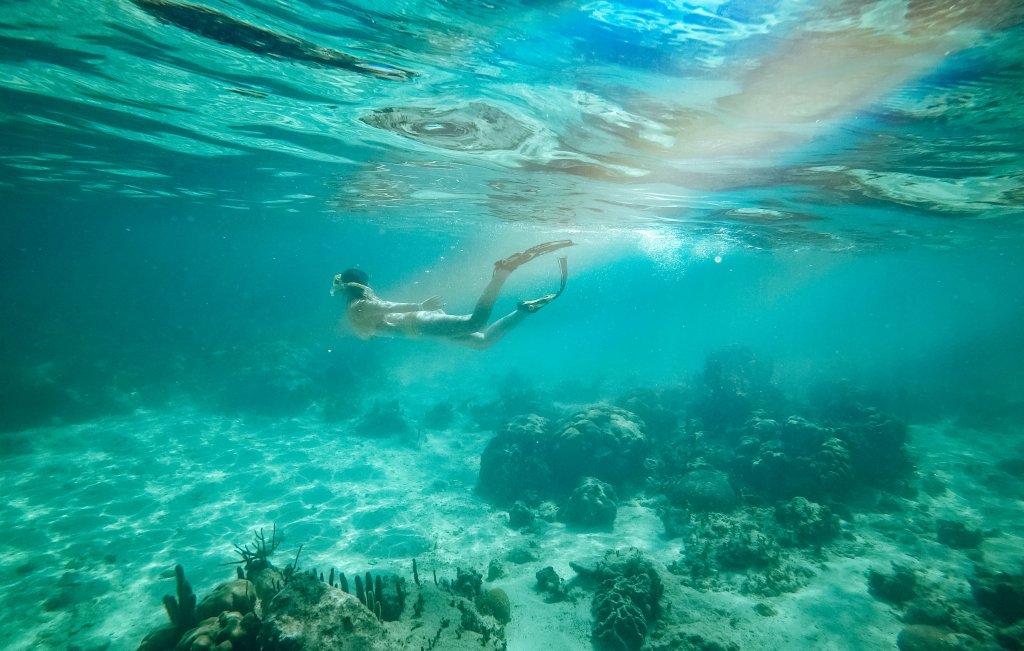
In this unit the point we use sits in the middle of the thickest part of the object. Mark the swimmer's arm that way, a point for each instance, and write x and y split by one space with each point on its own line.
381 306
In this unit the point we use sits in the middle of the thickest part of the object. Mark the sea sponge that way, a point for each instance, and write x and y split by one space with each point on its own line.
181 610
467 583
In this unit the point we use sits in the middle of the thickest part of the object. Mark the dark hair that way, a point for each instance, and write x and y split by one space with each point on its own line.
355 276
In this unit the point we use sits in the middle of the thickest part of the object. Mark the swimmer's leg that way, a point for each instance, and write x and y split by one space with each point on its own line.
451 325
468 329
494 332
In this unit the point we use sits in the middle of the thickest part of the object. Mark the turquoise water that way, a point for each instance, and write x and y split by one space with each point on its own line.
833 187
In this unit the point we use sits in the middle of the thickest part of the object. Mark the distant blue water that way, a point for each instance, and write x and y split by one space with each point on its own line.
835 187
115 310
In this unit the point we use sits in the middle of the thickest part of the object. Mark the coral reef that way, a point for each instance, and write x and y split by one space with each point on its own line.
736 382
753 483
520 515
494 602
805 459
601 441
703 489
383 418
467 583
957 535
897 587
308 614
551 585
228 631
831 465
234 596
922 637
779 471
659 409
933 619
269 609
742 551
877 444
683 641
440 415
591 504
1000 594
223 620
517 460
516 397
626 600
805 523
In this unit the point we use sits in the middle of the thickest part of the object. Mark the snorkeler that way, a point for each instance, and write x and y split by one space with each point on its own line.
372 316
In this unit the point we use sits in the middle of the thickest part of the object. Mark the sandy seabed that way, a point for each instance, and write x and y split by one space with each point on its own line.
95 516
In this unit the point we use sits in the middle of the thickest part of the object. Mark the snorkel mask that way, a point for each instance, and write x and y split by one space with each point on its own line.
352 283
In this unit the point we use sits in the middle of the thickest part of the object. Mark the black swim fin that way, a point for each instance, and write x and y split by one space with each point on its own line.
516 260
537 303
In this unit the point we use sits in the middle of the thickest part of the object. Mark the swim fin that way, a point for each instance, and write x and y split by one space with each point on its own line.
537 303
516 260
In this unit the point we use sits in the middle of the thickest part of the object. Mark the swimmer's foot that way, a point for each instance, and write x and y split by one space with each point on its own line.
536 304
516 260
